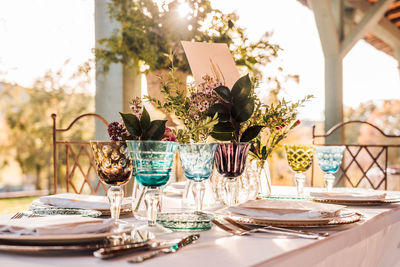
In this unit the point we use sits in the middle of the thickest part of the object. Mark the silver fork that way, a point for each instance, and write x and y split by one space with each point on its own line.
274 228
20 215
241 231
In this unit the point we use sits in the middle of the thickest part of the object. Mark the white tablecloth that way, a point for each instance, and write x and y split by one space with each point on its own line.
373 242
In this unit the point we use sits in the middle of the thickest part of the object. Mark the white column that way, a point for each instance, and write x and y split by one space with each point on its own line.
109 86
333 97
115 88
397 56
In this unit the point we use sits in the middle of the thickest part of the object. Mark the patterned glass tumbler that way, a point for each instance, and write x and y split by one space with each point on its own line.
329 160
300 160
230 160
197 163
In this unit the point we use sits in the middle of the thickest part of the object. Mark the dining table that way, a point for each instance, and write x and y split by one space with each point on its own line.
372 241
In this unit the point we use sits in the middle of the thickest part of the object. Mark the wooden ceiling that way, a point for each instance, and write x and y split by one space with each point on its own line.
392 14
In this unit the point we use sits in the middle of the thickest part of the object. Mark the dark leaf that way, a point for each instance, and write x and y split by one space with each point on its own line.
145 120
241 88
230 24
242 111
223 127
155 131
223 112
132 124
224 93
250 133
222 136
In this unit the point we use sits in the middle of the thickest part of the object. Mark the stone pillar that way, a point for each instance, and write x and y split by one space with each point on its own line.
397 56
333 97
115 88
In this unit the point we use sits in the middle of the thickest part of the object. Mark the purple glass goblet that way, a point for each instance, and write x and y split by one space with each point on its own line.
230 160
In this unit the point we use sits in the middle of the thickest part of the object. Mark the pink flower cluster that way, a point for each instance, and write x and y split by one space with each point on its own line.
116 130
136 106
203 97
169 135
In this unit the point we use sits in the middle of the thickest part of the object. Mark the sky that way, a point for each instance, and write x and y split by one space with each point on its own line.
45 33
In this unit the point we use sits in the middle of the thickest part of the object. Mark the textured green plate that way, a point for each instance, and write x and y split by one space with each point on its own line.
60 211
185 221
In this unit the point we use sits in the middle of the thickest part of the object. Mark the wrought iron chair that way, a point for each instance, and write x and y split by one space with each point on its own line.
368 162
75 153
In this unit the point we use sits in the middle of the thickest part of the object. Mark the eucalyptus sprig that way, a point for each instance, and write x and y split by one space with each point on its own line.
234 111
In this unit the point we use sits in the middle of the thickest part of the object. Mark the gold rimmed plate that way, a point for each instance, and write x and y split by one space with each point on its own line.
345 217
359 202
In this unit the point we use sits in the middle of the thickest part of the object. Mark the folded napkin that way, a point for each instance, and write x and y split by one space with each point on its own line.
284 209
364 196
54 225
78 201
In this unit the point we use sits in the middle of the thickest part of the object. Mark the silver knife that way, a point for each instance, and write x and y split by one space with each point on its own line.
114 251
174 248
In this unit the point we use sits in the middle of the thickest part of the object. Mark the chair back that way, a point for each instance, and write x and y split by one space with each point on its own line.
79 163
363 165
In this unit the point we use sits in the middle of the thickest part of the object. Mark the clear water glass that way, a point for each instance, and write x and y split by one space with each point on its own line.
230 161
197 163
300 159
153 162
329 161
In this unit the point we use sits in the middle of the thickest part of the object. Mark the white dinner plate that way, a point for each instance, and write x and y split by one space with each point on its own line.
58 239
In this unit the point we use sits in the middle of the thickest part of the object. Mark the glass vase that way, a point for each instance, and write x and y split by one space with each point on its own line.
259 170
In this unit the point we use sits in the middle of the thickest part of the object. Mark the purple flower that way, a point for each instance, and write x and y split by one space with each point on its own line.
169 135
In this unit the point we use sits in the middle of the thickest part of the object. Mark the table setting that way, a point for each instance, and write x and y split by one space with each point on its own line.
225 212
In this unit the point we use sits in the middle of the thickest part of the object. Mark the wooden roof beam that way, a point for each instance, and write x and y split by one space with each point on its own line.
371 17
384 29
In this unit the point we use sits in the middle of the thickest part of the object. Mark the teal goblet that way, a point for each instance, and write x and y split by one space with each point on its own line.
197 164
329 160
153 161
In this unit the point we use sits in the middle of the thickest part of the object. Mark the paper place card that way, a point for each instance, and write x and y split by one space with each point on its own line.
213 59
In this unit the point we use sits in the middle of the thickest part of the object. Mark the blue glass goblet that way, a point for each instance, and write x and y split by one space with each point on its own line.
329 160
197 164
153 161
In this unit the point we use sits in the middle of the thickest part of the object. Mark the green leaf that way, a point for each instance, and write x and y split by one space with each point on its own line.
223 112
250 133
222 136
145 120
242 111
131 123
155 131
223 127
224 93
241 88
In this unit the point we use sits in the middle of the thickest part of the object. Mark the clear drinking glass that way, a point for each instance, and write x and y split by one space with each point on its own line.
329 160
300 159
230 160
114 168
153 161
197 164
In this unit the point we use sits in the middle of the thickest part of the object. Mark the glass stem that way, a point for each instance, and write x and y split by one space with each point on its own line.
231 191
152 200
115 195
329 180
198 192
300 179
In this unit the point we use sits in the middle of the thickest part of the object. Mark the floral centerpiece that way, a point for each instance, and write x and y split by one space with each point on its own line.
137 125
277 121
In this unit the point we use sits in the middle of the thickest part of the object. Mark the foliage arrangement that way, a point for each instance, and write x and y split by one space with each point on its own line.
234 111
137 125
189 108
277 120
149 30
